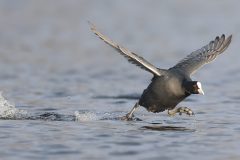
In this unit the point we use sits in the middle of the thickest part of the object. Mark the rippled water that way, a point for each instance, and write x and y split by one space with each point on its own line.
64 90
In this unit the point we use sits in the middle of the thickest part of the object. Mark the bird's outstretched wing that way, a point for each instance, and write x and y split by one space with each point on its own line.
205 55
132 57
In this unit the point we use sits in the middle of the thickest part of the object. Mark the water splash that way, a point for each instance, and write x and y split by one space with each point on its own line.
9 111
85 116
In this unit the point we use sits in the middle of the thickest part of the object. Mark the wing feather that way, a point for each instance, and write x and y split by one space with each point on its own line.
206 54
132 57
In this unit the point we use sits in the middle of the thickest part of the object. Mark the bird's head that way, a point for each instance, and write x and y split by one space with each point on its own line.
193 87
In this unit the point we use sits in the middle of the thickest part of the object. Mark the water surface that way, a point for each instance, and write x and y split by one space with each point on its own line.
64 89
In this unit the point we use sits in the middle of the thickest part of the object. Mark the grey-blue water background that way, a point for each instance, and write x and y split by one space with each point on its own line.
51 63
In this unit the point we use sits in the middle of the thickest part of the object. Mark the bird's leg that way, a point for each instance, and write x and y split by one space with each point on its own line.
180 110
129 116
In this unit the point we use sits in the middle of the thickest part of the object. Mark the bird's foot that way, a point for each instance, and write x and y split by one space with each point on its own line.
129 117
185 110
181 110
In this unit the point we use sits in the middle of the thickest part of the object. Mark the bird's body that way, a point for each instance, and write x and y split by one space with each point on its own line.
164 92
171 86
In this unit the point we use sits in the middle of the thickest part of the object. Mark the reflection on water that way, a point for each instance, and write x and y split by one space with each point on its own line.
166 128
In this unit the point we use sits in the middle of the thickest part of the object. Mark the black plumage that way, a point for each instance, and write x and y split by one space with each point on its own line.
170 86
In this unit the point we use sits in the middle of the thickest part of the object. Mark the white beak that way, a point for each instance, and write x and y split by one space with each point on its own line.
200 90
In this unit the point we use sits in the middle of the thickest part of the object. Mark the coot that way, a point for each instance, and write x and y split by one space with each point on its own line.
170 86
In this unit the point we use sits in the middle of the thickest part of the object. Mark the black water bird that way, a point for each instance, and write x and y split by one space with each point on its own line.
170 86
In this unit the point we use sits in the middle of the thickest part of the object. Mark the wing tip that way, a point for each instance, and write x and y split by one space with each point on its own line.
93 28
228 40
230 37
221 44
223 37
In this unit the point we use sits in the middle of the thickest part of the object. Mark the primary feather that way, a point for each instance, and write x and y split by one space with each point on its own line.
202 56
132 57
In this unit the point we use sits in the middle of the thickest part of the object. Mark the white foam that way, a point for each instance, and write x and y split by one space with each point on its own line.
9 111
85 116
